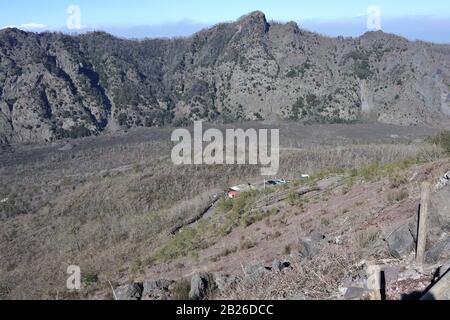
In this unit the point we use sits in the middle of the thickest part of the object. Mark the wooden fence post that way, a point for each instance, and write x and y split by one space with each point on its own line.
374 281
425 204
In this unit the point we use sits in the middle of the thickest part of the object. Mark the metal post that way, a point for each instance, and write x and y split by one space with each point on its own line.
441 289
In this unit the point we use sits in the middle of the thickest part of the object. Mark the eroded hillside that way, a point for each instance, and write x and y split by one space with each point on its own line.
114 205
55 86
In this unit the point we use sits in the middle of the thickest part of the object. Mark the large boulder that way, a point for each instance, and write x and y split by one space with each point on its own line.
156 290
401 242
310 246
317 236
439 221
132 291
200 286
256 271
440 210
438 226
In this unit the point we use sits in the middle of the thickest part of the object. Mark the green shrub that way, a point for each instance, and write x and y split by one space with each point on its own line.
187 241
90 277
443 140
398 196
361 63
365 239
325 222
74 133
297 111
225 204
376 171
247 244
396 180
287 249
136 266
292 73
240 203
362 69
4 291
122 119
293 198
8 211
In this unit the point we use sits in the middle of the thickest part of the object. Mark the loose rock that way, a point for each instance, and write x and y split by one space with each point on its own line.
226 282
278 266
256 271
354 293
156 290
133 291
401 242
440 251
200 284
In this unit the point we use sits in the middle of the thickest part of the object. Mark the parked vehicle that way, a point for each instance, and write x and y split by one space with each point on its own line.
276 182
233 194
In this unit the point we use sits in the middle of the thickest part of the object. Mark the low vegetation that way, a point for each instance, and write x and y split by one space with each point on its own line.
181 290
367 238
108 204
442 140
233 213
315 278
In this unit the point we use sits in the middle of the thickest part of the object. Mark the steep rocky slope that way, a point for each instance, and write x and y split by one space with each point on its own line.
304 242
55 86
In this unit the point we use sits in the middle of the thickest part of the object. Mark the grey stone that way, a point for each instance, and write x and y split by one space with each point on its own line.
200 284
357 280
413 227
317 236
440 210
66 147
401 242
308 248
440 251
133 291
256 271
439 216
280 265
391 273
226 282
354 293
298 297
156 290
336 240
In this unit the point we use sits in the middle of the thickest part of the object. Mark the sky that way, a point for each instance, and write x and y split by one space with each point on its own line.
425 20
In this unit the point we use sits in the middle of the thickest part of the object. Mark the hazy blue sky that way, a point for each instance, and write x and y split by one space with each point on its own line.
428 20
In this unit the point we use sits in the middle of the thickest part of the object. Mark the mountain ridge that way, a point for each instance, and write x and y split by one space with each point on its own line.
56 86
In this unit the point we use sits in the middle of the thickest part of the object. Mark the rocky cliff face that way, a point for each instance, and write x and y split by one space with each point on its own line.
54 86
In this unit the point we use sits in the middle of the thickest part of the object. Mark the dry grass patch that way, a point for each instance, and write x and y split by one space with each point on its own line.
318 278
